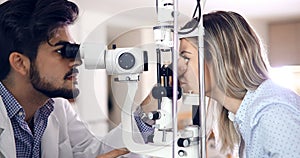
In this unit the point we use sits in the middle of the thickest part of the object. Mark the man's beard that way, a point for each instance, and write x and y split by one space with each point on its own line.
47 88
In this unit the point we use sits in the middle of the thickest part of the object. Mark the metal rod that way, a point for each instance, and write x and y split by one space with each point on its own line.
202 109
175 80
158 67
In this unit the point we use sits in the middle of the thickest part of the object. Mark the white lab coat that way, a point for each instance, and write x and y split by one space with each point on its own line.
66 136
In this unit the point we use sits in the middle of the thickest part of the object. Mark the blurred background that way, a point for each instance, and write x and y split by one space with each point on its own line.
129 23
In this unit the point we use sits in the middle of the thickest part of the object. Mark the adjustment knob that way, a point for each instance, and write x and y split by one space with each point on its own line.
181 153
183 142
154 115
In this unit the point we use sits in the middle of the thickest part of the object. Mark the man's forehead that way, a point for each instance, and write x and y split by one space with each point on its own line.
61 34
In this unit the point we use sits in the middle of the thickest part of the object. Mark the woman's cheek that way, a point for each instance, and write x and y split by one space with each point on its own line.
182 67
192 81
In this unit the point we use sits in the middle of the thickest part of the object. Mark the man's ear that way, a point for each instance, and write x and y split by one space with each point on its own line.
19 63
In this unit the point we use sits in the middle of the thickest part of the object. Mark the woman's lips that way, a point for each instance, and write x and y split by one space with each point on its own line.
182 82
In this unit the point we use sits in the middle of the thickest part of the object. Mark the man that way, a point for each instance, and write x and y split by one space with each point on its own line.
34 73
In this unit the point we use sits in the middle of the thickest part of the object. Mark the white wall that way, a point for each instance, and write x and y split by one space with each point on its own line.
261 28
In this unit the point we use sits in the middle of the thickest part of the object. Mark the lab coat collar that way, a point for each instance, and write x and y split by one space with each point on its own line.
7 141
51 136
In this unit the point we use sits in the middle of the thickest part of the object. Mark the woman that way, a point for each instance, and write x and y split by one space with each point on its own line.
266 120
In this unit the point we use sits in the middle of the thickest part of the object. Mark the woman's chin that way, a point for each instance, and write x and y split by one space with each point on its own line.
188 89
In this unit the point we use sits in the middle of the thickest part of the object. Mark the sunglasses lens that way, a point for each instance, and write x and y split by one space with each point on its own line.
69 50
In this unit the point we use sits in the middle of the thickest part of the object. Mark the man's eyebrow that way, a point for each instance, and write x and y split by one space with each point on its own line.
60 42
57 43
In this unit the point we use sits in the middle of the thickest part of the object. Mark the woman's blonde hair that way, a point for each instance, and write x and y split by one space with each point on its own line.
238 62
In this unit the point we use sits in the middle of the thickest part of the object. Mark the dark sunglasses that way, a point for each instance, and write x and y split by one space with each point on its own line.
69 50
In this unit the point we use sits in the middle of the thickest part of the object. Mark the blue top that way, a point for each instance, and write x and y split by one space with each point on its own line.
268 120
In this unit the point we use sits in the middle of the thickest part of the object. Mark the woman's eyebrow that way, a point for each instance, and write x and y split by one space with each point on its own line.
185 51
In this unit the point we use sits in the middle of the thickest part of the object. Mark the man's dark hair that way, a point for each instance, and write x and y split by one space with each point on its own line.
25 24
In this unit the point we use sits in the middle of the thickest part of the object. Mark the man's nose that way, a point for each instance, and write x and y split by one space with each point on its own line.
77 61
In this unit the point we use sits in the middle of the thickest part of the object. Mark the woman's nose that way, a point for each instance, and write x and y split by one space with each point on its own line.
182 66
